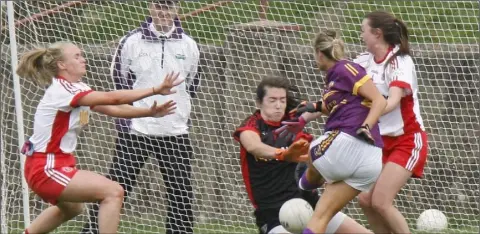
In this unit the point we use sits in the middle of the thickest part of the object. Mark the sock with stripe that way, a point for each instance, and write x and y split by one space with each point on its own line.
304 184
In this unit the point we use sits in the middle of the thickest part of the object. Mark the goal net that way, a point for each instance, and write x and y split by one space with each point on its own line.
238 48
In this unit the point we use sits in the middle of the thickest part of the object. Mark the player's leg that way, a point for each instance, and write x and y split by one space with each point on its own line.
174 158
278 230
392 179
349 166
348 225
88 186
311 178
407 159
376 221
81 186
333 199
54 216
340 224
130 156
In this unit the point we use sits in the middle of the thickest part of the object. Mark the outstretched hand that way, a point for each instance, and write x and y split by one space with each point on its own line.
305 106
291 128
166 108
297 152
170 81
365 134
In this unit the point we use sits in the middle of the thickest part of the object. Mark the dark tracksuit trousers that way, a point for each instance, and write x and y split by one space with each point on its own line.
174 155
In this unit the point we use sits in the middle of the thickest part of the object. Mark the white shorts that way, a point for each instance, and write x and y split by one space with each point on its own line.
341 157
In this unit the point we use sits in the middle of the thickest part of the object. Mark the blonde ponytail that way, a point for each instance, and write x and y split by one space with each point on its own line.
329 43
40 65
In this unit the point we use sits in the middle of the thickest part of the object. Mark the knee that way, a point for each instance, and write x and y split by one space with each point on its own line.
365 200
118 191
380 205
115 192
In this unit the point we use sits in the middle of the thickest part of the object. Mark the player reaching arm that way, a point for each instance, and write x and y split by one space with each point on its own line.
348 155
50 166
269 163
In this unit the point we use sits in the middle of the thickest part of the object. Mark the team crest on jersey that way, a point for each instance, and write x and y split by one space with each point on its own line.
331 84
84 117
67 169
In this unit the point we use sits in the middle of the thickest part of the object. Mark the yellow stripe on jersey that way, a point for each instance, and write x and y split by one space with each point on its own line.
325 144
366 103
359 84
334 107
351 69
325 96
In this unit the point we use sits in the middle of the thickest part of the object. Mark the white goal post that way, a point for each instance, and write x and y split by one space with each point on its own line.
241 42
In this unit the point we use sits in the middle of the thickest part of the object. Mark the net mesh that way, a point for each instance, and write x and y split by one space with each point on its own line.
237 50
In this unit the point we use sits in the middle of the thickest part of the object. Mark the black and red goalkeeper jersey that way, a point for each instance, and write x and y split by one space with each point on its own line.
269 183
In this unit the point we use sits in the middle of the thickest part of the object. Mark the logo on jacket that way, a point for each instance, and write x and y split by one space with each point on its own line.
143 54
180 56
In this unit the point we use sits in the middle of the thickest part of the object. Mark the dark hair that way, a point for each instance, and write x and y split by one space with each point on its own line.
329 43
279 82
394 30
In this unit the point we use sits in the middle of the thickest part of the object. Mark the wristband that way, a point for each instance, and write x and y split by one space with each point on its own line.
366 126
279 154
318 106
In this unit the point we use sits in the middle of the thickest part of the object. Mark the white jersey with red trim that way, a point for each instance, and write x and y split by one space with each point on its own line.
58 118
399 72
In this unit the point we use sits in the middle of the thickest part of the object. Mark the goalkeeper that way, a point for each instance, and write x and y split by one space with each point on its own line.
270 164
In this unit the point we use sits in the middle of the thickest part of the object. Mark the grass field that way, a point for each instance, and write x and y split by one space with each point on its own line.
132 227
145 228
429 21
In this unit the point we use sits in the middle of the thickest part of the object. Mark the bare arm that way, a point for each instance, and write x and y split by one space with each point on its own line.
251 141
128 111
370 92
307 116
123 111
119 97
395 94
296 152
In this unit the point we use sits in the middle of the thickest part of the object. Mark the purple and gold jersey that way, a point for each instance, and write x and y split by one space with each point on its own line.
347 109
